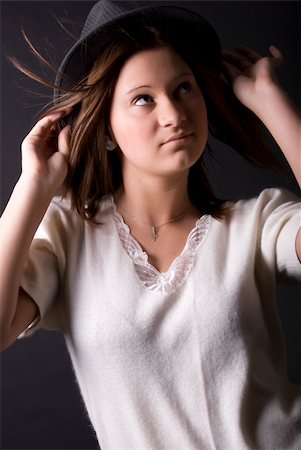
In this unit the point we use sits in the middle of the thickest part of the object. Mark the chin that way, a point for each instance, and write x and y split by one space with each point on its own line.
185 159
179 168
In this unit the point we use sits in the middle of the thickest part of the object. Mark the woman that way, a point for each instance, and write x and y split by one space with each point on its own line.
173 334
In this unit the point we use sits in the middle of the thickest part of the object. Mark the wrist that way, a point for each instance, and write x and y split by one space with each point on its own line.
270 97
35 187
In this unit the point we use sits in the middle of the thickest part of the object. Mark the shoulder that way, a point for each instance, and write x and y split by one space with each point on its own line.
265 226
272 208
60 210
63 229
267 202
59 216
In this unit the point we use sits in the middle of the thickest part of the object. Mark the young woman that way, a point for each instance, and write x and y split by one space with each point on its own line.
165 294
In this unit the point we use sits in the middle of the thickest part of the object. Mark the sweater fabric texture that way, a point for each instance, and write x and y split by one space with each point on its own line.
189 359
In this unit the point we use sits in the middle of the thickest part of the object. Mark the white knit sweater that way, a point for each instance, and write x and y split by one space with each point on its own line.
191 359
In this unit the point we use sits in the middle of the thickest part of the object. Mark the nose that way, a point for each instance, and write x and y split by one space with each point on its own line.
171 113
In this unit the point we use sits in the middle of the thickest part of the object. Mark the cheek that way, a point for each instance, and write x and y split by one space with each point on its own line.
130 131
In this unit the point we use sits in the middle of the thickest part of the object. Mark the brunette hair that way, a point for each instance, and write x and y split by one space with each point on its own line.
95 172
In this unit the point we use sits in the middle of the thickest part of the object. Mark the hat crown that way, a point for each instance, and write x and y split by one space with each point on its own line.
96 35
102 12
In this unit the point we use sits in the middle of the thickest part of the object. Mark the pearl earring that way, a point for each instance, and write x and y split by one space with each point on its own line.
110 144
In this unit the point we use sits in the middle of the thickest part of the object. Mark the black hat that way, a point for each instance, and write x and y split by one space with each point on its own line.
105 14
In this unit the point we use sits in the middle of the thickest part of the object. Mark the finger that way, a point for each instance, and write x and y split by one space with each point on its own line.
51 139
278 57
230 71
275 51
44 125
64 141
236 60
249 53
53 131
255 56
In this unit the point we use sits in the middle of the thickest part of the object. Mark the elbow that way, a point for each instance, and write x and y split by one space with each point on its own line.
6 333
5 342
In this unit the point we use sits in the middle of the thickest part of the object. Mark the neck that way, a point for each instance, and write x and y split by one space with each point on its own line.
155 201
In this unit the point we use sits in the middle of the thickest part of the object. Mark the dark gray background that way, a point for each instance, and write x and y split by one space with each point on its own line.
40 403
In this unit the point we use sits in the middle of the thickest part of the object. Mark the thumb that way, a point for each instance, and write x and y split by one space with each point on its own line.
64 141
278 57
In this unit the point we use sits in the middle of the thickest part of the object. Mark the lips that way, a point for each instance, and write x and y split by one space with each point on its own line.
177 137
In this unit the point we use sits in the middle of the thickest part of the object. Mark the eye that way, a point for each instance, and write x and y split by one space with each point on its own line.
142 100
184 88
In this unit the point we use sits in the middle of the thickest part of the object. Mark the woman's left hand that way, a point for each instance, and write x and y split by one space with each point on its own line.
251 74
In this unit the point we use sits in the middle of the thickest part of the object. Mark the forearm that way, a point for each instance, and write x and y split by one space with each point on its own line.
18 224
283 119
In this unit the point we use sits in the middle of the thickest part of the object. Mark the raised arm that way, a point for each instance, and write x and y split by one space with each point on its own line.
255 84
44 168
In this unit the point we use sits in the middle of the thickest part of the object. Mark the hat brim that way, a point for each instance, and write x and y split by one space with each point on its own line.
79 59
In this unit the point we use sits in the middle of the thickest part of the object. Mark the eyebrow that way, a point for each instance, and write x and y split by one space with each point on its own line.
149 86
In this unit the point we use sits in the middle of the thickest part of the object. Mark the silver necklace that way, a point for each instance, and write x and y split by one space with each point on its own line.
155 228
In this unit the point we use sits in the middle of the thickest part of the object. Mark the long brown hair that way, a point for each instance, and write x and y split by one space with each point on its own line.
94 172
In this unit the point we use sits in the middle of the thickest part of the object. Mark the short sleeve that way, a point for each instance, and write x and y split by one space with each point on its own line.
279 225
42 276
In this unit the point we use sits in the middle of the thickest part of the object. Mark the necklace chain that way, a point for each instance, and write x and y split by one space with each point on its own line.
155 228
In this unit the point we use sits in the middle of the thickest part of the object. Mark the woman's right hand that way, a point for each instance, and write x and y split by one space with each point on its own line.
45 153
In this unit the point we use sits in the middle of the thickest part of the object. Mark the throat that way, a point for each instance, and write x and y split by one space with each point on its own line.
164 245
154 208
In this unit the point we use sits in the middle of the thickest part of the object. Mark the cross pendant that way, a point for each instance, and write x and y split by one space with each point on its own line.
154 234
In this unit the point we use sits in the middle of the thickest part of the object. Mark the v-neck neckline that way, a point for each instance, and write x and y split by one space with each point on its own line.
180 267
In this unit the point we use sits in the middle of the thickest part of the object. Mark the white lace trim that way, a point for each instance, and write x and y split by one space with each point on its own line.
178 271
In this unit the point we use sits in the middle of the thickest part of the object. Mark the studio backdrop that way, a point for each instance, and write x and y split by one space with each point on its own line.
41 406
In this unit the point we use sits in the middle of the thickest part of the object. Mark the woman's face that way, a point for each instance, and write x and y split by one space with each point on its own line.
158 114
